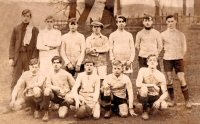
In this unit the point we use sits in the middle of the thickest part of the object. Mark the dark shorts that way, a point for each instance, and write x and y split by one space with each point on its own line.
147 102
73 72
58 100
143 62
177 65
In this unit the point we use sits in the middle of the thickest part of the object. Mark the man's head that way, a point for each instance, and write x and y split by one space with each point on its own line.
152 61
147 22
34 65
171 21
96 27
26 16
57 63
89 66
73 24
49 20
121 22
117 67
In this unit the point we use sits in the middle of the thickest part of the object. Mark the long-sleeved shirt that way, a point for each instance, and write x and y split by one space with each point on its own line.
89 87
118 86
122 46
28 79
61 79
148 42
101 44
174 43
73 48
46 40
147 76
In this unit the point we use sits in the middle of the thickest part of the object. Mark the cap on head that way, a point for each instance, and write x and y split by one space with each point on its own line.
147 17
117 63
97 23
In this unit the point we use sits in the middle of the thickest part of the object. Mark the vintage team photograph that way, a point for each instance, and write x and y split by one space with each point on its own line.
100 61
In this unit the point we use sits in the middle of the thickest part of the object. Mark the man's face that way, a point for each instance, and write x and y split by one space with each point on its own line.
26 18
117 70
56 65
34 68
96 29
89 67
171 23
147 23
152 62
121 23
73 26
49 23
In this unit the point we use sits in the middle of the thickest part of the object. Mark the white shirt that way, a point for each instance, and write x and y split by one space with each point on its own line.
148 42
122 46
73 48
174 43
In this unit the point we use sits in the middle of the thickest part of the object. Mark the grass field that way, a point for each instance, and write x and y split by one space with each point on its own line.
10 14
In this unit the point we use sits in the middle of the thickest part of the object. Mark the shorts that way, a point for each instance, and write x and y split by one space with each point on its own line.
73 72
147 102
58 100
177 65
101 71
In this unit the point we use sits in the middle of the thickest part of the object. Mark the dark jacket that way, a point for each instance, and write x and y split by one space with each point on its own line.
17 40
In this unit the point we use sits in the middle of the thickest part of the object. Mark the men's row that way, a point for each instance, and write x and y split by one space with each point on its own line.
116 92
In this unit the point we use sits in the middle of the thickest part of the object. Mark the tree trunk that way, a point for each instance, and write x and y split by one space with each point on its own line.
184 7
88 6
72 11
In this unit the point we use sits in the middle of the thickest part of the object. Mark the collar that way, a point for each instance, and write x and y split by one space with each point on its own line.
172 30
94 35
119 78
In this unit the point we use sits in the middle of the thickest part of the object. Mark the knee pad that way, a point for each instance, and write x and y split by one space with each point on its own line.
123 110
163 105
62 111
37 92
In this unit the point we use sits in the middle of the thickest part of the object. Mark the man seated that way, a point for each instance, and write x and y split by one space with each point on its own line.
58 89
32 84
151 84
86 92
115 86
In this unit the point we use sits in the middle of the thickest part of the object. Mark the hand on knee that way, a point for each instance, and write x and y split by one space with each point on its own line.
47 91
62 112
123 110
143 91
163 105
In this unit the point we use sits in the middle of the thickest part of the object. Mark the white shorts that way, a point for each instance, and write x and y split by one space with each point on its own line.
101 71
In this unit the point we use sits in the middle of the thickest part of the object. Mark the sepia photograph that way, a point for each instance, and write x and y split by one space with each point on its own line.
99 61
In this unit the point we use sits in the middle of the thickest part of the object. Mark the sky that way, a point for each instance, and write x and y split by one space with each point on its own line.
175 3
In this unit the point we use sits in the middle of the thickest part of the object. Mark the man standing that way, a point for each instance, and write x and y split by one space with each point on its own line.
122 45
97 46
73 48
48 43
22 46
175 48
148 41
